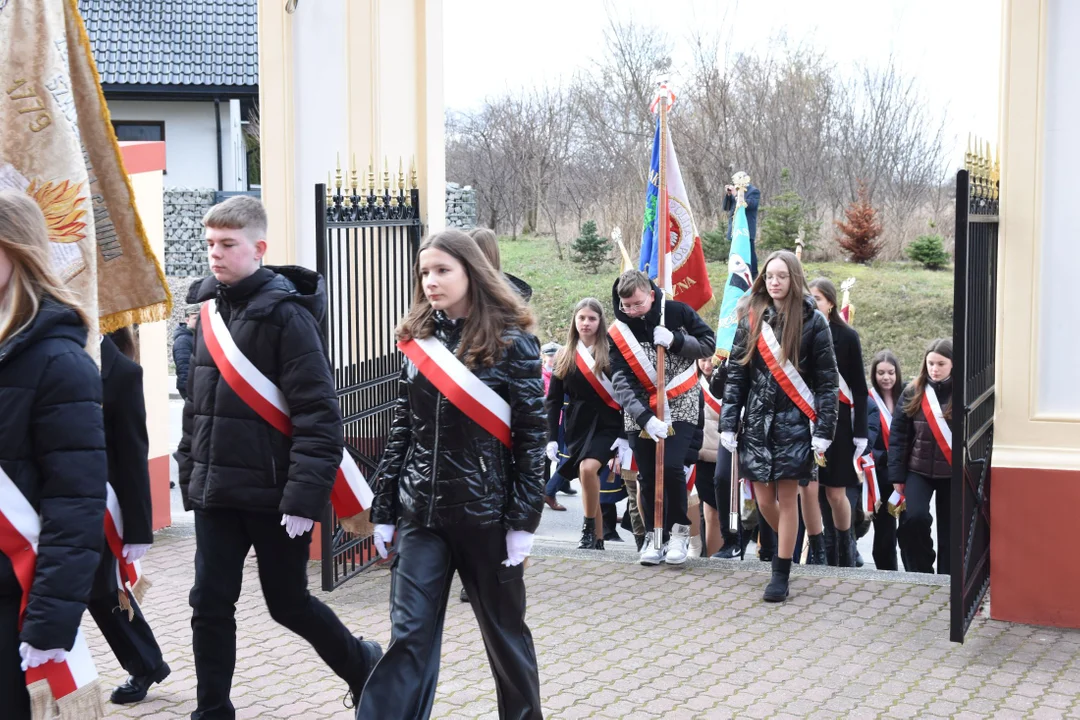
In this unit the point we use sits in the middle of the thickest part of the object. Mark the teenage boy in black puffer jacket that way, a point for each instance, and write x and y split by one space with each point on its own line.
244 478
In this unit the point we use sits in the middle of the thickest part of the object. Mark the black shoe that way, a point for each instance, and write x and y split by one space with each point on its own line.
625 523
172 484
817 556
464 596
135 689
777 589
844 547
567 490
370 654
764 555
728 551
588 535
610 516
639 540
858 558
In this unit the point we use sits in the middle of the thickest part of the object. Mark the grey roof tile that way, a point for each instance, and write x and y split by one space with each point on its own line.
174 42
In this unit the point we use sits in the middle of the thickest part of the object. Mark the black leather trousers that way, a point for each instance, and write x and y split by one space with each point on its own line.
403 683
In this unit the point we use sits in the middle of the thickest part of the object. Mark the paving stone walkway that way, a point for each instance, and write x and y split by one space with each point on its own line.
617 640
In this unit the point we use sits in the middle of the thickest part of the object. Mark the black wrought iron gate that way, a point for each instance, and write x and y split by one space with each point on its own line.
366 244
974 336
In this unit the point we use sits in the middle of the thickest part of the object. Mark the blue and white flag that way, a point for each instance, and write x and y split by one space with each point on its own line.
738 282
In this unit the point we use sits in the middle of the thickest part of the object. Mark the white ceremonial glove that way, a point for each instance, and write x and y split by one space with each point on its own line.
518 546
552 451
624 456
729 441
662 336
135 552
657 429
32 657
296 526
820 445
860 447
383 536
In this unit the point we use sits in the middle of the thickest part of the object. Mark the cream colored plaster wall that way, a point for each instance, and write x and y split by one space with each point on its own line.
1027 435
153 354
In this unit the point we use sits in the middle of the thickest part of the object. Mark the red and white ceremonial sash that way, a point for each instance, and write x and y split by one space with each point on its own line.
643 370
785 374
938 425
460 385
691 476
128 574
886 418
846 395
20 527
350 494
711 400
586 365
866 467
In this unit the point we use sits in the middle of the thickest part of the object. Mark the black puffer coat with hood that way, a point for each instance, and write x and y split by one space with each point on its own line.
443 470
774 441
52 447
230 457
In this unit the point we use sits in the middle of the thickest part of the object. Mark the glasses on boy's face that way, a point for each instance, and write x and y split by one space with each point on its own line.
632 307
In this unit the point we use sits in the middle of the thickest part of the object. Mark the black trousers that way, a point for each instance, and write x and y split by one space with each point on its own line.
132 641
223 539
913 534
403 683
16 701
675 452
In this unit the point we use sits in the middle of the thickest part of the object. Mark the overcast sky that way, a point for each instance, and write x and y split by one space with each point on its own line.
951 46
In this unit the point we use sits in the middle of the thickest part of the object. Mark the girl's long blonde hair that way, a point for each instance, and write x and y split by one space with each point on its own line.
566 360
789 310
25 240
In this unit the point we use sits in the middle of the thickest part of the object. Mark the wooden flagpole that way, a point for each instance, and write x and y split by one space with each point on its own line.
661 275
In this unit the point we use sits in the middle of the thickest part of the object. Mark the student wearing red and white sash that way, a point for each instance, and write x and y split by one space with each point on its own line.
249 482
920 460
886 388
782 370
460 480
828 509
633 339
128 447
714 506
52 458
593 418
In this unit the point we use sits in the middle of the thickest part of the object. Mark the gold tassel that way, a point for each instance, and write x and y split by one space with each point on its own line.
140 588
83 704
42 705
125 604
358 524
895 510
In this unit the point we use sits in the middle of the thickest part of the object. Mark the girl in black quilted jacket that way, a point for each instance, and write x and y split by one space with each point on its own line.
919 467
776 440
460 480
52 450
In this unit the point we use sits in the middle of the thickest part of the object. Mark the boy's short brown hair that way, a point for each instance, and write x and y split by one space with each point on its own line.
240 212
631 281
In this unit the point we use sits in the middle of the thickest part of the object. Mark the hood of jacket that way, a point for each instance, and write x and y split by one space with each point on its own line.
265 288
54 320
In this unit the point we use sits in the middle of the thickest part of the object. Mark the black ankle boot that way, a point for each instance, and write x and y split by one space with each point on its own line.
844 547
625 523
639 540
588 535
777 589
816 556
611 518
832 558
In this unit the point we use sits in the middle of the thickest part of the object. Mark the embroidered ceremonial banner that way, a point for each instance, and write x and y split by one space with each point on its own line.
459 384
586 365
938 424
350 494
66 689
57 145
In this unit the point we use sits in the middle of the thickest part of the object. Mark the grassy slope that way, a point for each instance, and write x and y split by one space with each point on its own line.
897 306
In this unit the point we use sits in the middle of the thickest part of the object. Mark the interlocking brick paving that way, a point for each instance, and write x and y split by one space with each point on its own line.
618 640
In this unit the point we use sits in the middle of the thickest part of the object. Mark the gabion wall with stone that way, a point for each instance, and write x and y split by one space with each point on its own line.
185 244
460 206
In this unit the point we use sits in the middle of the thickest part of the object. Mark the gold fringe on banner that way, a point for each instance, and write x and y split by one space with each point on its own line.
83 704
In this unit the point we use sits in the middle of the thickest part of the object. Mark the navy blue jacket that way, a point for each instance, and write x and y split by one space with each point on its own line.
52 447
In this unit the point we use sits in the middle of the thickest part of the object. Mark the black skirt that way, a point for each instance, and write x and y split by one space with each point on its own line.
591 428
839 470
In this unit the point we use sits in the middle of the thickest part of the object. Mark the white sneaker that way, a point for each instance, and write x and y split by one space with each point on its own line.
695 546
651 555
678 545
